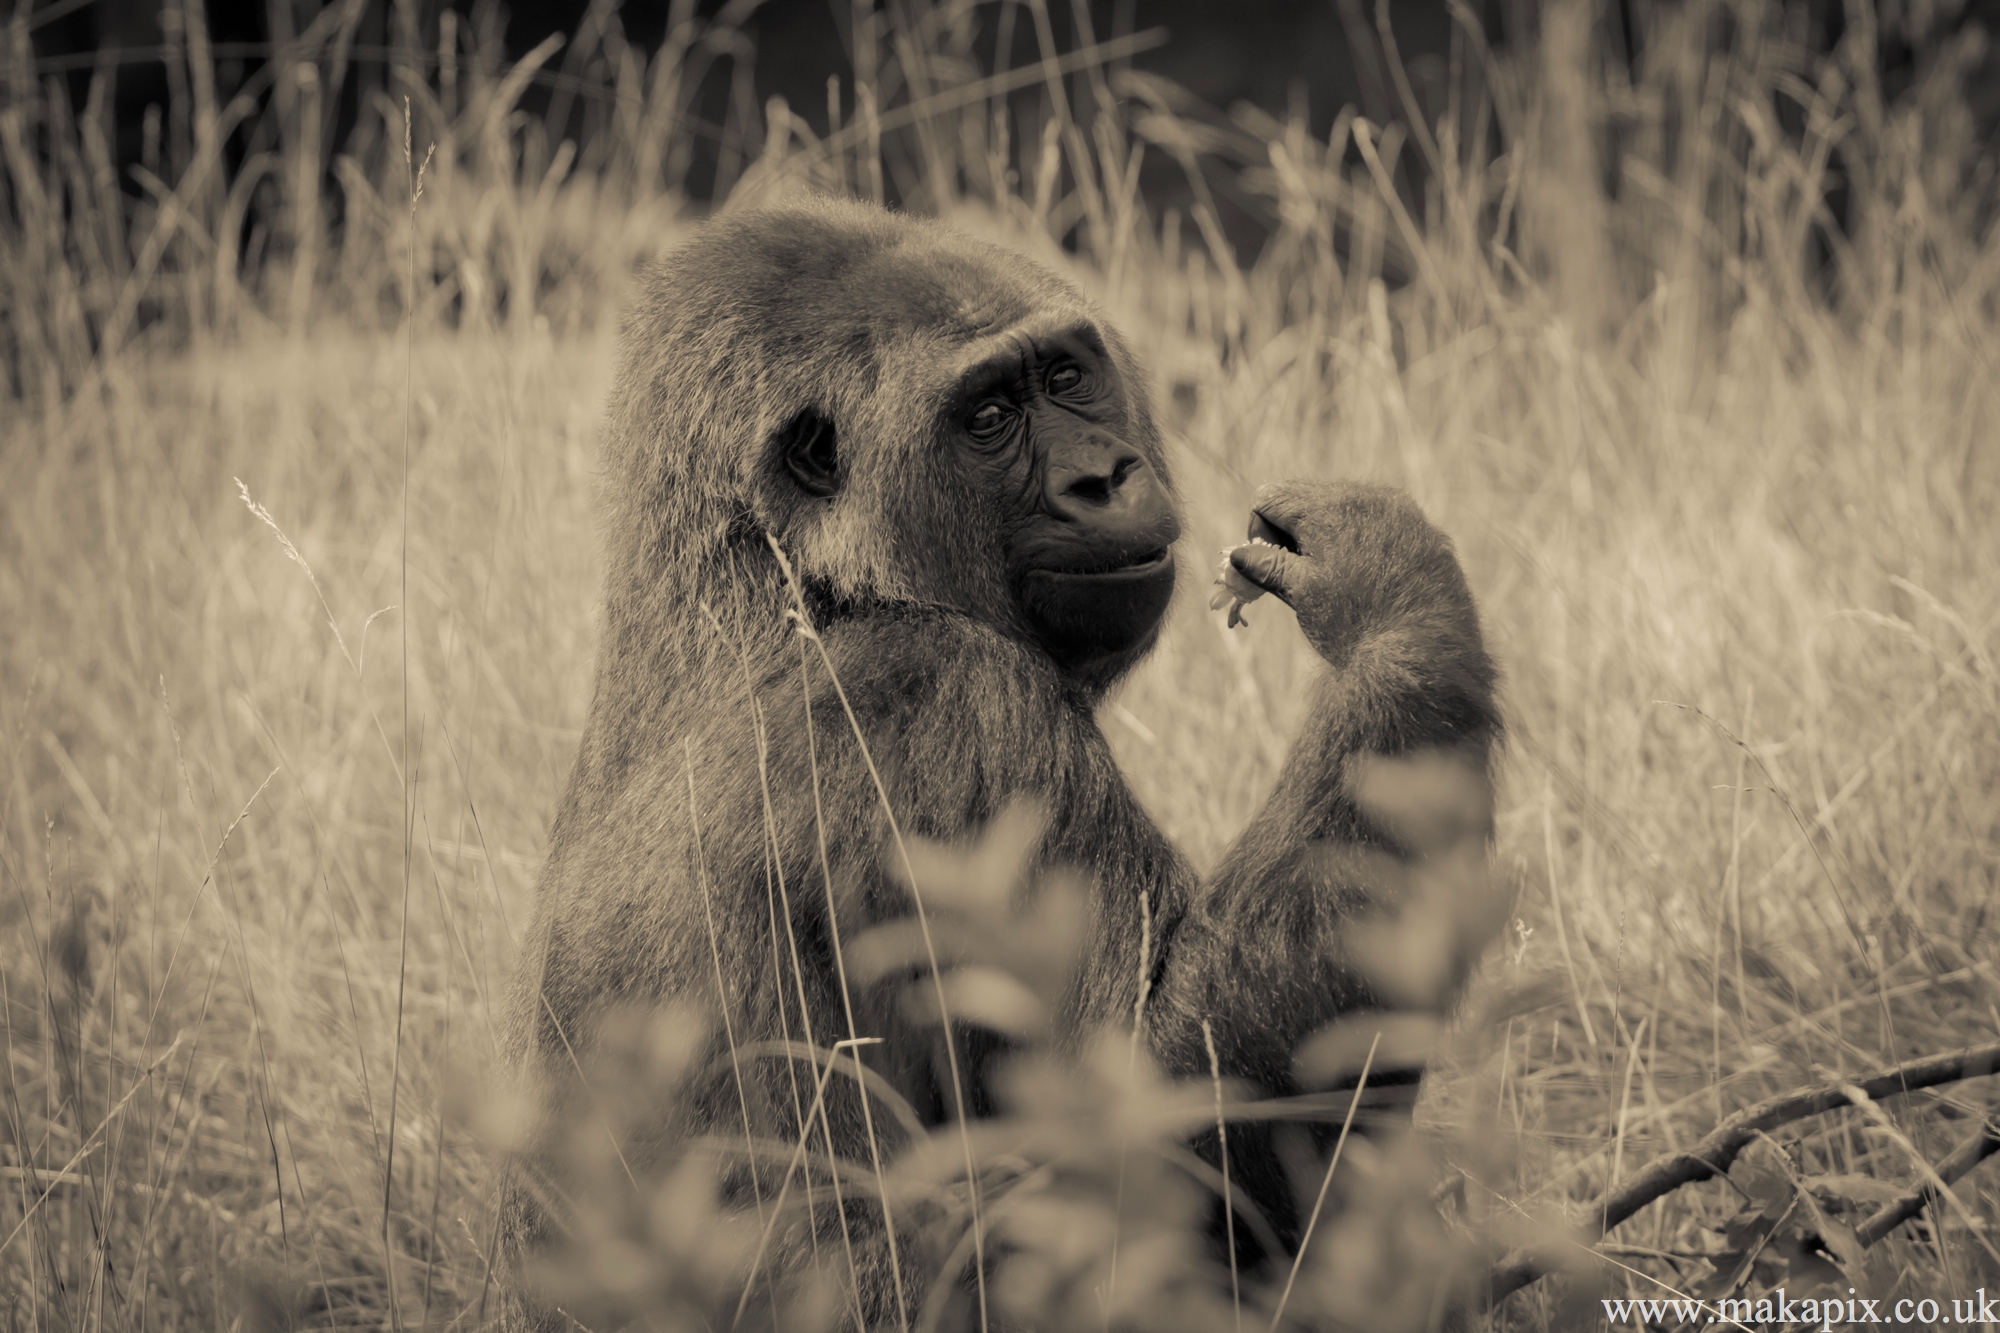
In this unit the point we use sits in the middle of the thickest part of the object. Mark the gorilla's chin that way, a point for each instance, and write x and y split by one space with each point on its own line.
1096 625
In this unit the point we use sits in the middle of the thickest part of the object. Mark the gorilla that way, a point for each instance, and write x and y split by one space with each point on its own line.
940 457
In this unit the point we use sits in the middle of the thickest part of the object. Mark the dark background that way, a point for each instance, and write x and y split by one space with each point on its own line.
1284 57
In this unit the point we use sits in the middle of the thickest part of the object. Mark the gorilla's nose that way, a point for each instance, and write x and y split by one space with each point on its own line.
1107 487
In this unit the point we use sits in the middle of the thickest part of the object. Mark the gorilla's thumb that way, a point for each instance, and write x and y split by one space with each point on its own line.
1267 566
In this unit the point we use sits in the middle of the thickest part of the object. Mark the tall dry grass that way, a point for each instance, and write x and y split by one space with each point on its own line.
298 573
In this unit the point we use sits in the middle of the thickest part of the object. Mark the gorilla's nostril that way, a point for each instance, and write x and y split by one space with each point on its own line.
1100 490
1092 490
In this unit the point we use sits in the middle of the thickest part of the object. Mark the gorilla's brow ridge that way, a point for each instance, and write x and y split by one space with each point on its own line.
983 317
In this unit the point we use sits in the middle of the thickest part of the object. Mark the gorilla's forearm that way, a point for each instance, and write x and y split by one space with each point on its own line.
1263 953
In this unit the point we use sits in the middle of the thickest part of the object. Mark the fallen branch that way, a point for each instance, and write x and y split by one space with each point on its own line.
1966 1156
1714 1154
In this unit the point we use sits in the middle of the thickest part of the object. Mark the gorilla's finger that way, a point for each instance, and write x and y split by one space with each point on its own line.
1269 567
1281 512
1264 529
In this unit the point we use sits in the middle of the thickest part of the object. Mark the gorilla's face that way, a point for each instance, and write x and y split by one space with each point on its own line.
1089 522
1037 432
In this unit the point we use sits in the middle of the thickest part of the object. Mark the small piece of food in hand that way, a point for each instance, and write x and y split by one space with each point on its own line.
1233 588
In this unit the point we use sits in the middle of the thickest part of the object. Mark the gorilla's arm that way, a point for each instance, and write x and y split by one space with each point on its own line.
1263 952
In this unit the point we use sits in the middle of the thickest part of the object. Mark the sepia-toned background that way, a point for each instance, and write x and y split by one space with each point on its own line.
1683 319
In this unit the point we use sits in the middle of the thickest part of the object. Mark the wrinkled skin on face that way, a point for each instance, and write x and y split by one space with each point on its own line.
1086 521
1089 550
1041 429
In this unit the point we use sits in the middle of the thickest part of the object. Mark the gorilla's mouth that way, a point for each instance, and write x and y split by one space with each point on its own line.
1096 613
1143 566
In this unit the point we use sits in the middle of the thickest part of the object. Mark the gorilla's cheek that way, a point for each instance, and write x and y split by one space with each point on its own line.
1086 616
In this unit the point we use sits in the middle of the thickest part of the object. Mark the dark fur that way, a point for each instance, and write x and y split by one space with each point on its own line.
867 319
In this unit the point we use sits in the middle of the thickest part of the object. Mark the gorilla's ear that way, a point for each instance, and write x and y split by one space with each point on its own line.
807 446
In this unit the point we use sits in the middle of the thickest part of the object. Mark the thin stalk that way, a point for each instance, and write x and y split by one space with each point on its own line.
1300 1257
805 628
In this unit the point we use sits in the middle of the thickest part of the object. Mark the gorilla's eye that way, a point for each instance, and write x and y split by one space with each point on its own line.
1067 377
989 421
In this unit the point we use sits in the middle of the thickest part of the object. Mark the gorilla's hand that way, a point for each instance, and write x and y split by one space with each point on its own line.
1352 561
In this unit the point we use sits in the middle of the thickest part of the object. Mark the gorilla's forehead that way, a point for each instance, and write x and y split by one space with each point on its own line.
959 293
832 292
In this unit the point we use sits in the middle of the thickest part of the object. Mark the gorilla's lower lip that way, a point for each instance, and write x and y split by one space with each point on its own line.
1085 617
1144 567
